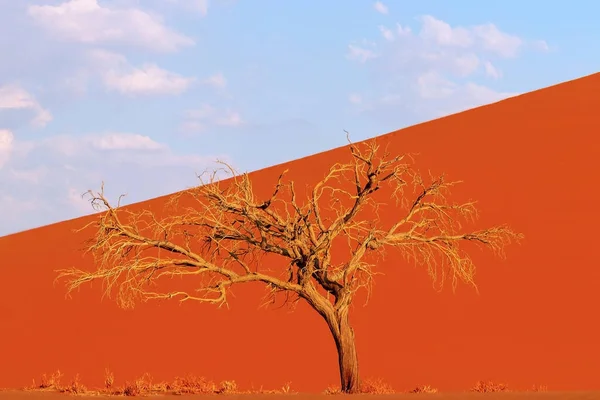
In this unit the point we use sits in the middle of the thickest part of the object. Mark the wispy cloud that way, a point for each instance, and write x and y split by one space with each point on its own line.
487 37
14 97
207 116
125 141
386 33
149 79
44 184
216 81
380 7
491 70
425 72
361 52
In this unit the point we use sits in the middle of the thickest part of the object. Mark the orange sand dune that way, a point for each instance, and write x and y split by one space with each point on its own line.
438 396
530 161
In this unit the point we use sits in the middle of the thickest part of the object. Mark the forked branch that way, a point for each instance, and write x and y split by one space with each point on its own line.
222 230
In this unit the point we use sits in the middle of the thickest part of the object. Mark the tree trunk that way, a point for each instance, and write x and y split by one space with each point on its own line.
343 334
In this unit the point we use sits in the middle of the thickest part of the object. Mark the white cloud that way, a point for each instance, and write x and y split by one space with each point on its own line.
540 45
361 54
46 182
403 31
433 86
125 141
492 71
380 7
86 21
42 118
15 97
487 36
484 95
434 71
443 34
496 41
149 79
390 36
217 81
450 97
439 96
386 33
6 145
466 64
207 116
71 146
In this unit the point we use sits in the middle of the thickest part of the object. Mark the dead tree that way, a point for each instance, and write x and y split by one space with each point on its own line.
218 239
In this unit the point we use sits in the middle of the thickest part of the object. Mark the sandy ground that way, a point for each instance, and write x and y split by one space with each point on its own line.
19 395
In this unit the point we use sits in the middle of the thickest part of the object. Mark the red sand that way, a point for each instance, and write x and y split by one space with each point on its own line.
530 161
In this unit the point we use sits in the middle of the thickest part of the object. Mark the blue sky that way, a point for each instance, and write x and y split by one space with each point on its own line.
144 94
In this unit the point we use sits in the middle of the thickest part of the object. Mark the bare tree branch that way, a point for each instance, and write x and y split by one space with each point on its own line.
220 232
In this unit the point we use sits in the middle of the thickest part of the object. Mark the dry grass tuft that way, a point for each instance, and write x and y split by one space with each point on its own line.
51 382
141 386
332 390
190 384
227 387
423 389
539 388
109 379
367 386
144 386
375 386
74 387
285 389
489 387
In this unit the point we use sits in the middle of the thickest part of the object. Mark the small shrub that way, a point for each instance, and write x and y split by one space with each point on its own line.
142 386
287 388
489 387
332 390
423 389
367 386
130 389
375 386
75 387
192 385
48 383
539 388
227 387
